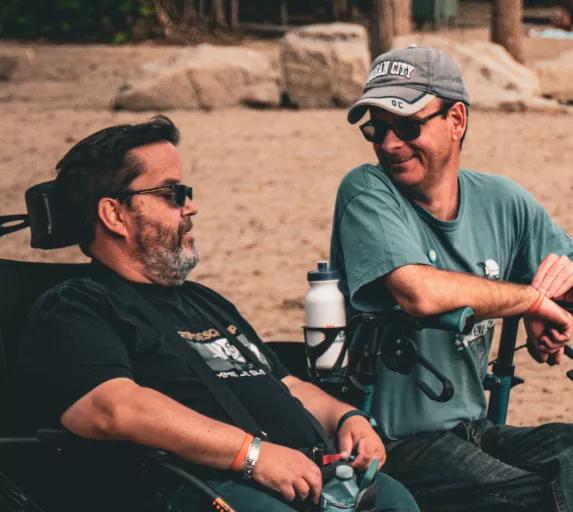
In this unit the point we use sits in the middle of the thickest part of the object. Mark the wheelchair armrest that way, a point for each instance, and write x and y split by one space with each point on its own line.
152 459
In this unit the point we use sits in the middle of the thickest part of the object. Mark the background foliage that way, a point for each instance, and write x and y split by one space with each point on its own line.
121 20
91 20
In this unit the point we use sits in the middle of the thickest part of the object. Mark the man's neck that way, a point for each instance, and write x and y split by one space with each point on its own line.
119 262
441 199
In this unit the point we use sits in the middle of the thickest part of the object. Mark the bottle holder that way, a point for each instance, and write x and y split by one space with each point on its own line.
337 373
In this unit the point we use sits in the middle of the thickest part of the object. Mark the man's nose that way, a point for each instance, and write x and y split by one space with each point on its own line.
190 207
390 141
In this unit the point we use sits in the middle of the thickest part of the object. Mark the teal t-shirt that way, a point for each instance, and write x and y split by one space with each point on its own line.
500 232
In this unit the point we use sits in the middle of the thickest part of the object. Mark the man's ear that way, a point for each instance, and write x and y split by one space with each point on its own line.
111 214
459 118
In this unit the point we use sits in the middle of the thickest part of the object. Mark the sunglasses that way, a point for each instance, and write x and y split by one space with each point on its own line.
405 129
176 193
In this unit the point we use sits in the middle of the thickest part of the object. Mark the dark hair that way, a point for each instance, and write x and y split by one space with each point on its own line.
447 103
100 166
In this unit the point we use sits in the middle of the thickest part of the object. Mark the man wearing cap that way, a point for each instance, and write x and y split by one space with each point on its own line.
418 231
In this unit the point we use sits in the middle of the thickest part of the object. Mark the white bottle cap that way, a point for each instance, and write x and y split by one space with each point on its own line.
344 472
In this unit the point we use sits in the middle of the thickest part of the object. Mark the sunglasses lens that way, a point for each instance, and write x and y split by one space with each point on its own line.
407 130
374 132
368 132
181 193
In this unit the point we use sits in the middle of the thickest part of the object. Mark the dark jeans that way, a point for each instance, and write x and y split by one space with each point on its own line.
391 496
482 467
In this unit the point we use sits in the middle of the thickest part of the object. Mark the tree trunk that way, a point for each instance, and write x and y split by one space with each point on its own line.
402 17
218 13
234 14
506 28
283 12
341 9
190 15
164 13
382 26
175 23
203 12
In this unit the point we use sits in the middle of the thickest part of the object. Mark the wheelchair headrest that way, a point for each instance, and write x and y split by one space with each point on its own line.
47 223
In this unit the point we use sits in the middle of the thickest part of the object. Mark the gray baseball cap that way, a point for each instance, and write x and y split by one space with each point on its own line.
406 80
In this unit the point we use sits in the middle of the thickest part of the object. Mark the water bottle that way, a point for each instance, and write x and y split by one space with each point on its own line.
341 492
325 318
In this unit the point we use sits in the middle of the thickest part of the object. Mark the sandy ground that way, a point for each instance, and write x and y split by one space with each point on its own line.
265 182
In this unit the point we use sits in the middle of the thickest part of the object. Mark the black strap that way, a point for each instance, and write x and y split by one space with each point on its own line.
204 311
249 356
354 412
222 394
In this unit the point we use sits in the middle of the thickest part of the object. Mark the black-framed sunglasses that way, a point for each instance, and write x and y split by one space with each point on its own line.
405 129
176 193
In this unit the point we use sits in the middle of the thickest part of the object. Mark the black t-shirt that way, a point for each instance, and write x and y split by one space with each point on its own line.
80 334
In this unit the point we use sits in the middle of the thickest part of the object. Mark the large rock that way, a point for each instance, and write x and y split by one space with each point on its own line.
203 77
325 65
16 64
494 80
556 76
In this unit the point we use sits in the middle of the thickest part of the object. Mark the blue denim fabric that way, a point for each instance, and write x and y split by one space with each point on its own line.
391 496
481 467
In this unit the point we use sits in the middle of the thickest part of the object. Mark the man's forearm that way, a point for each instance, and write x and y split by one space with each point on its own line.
324 407
119 409
423 291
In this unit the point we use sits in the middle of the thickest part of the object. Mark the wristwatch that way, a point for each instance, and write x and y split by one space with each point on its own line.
251 458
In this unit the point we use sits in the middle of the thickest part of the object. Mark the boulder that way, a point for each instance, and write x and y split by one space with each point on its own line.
494 80
556 76
203 77
325 65
16 64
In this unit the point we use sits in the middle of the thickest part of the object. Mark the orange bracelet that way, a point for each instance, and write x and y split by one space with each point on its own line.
239 459
534 308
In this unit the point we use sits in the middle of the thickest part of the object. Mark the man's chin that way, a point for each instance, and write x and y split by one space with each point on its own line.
191 255
405 175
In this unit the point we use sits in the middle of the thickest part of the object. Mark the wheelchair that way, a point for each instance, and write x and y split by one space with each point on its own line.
53 471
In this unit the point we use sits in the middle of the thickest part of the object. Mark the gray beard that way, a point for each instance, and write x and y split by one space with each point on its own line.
160 251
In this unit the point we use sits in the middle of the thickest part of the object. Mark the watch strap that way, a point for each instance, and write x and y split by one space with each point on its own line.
252 457
354 412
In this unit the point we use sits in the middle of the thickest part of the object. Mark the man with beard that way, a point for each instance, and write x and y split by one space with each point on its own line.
94 362
418 231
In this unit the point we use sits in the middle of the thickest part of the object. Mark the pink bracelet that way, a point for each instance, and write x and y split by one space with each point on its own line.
534 308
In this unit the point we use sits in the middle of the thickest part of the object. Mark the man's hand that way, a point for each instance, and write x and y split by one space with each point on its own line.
288 472
547 331
554 276
356 434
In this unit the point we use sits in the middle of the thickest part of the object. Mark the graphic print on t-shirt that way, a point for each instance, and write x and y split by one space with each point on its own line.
223 357
476 342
